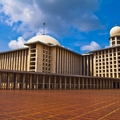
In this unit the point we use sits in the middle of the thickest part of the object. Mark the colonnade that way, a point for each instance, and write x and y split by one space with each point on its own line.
32 80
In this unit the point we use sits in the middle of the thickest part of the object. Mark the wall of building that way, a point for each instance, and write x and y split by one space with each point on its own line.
87 64
107 63
55 59
68 62
39 57
14 60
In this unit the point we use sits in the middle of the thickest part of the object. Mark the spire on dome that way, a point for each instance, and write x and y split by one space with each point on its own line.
116 22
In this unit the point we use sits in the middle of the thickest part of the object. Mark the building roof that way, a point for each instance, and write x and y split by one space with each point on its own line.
103 49
14 50
115 31
43 39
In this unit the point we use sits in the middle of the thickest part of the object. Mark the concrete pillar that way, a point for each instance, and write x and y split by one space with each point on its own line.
60 82
100 83
74 83
82 83
79 83
8 80
0 79
65 82
97 83
90 83
36 81
30 84
93 83
86 83
16 81
48 82
115 85
23 81
43 84
111 84
54 82
70 82
106 83
103 83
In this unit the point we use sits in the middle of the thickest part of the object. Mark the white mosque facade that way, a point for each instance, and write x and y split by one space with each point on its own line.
45 64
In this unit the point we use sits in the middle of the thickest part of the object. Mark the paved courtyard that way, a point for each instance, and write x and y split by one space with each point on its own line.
59 104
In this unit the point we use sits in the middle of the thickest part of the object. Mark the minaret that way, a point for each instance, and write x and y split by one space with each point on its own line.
44 28
115 36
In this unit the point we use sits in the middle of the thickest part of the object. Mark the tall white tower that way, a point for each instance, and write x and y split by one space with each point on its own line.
115 36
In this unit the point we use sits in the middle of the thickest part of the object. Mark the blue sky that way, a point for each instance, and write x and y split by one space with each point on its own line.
80 25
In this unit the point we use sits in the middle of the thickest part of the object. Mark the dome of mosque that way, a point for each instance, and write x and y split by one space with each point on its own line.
46 39
115 31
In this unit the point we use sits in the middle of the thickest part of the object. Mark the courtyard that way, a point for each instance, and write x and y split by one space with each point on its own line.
60 104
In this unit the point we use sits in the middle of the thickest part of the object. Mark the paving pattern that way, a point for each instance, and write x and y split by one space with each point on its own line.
59 104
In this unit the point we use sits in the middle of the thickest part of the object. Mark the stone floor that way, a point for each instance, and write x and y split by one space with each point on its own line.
59 104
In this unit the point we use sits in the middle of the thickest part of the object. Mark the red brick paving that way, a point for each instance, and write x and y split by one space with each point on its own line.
59 104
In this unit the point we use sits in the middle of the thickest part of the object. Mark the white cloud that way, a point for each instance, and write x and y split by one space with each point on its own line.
107 46
103 33
77 43
92 46
60 15
15 44
42 31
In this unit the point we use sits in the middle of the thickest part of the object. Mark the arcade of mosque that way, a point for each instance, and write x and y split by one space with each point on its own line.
45 64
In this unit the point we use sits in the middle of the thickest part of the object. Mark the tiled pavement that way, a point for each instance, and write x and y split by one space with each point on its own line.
59 104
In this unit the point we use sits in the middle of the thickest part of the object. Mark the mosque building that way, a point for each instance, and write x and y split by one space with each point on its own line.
45 64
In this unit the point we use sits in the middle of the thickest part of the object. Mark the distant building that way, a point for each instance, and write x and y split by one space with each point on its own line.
45 64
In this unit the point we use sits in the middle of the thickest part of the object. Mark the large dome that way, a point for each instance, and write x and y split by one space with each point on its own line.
44 39
115 31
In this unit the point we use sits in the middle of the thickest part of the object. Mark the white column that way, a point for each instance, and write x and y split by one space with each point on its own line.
93 83
111 82
86 83
103 83
0 79
30 84
97 83
100 83
90 82
8 80
16 81
107 83
49 82
65 82
70 82
74 83
54 82
82 83
36 81
79 83
43 84
60 82
23 81
115 85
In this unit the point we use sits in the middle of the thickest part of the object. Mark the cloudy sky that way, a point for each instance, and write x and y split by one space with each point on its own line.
80 25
